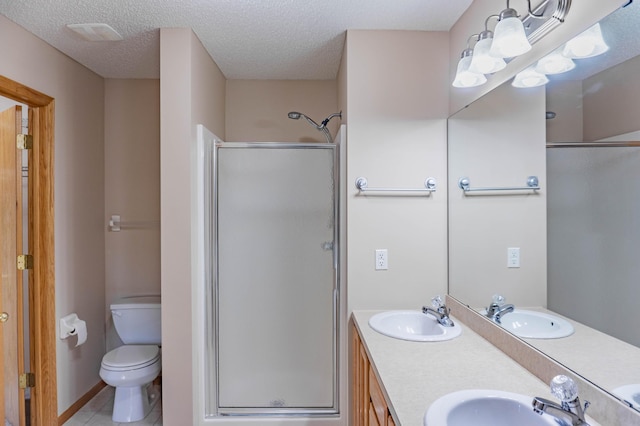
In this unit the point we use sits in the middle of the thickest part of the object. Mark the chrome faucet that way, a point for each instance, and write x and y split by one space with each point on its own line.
498 308
440 311
570 408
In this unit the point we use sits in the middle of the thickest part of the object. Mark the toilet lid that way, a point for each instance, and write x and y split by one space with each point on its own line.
131 357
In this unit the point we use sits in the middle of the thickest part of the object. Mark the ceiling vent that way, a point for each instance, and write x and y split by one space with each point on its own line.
95 32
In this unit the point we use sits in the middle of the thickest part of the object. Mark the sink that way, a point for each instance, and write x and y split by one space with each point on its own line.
412 325
630 393
536 325
480 407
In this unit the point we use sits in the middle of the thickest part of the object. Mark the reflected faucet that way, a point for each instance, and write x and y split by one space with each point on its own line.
498 308
440 311
565 389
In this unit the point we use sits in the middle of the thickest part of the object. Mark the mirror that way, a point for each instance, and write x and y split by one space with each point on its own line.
578 236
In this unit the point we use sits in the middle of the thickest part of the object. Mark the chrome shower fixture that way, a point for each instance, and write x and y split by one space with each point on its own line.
294 115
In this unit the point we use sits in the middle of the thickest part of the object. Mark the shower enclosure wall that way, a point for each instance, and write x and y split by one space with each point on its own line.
269 269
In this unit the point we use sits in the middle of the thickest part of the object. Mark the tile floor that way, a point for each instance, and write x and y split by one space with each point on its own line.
97 412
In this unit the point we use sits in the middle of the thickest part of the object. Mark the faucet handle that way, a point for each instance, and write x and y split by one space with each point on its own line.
437 302
564 388
499 299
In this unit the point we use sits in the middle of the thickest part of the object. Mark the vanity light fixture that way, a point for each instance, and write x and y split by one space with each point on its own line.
555 63
529 77
586 45
511 37
482 62
464 76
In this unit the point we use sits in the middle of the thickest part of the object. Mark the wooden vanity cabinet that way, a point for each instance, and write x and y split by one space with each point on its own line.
369 407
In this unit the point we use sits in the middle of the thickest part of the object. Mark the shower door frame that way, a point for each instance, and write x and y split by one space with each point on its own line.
212 409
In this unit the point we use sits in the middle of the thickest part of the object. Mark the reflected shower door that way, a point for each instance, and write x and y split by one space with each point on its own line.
276 278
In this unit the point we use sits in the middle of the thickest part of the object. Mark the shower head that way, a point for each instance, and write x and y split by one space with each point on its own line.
294 115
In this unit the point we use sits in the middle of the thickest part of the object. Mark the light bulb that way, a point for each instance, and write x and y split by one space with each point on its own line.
509 38
483 62
554 63
586 45
466 78
529 78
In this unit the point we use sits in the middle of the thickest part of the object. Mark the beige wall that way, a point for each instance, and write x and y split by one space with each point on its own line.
192 91
79 196
611 101
396 91
498 141
565 99
132 190
256 110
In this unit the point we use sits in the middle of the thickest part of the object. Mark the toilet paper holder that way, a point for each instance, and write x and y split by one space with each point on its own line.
68 326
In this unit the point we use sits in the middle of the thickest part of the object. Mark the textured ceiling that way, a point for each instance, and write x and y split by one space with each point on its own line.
248 39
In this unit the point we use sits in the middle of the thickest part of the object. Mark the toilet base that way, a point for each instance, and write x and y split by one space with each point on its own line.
134 403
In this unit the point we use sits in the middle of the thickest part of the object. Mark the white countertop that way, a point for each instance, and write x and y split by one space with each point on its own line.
415 374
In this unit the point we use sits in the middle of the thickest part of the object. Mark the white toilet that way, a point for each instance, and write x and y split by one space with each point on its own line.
132 368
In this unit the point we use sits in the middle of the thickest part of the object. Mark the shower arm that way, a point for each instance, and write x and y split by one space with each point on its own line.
323 126
326 120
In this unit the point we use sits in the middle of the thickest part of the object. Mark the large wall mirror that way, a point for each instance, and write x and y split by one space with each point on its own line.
578 236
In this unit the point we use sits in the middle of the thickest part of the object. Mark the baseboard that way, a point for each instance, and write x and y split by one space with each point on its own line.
76 406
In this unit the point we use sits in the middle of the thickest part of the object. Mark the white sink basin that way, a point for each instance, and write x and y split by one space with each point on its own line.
630 393
412 325
479 407
536 325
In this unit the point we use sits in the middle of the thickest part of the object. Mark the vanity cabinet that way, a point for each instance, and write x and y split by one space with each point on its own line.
369 407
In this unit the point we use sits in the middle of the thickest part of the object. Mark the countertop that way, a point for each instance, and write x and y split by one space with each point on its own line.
415 374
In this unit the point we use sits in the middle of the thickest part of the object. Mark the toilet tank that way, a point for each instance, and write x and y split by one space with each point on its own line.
137 319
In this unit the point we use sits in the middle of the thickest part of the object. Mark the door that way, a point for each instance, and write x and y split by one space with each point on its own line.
12 403
276 278
43 407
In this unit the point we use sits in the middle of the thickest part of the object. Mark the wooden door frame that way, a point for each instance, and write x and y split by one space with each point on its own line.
44 401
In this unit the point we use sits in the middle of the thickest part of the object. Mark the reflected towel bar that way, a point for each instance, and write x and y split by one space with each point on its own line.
532 185
117 225
429 186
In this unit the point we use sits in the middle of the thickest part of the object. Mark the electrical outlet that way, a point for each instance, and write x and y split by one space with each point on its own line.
513 257
382 261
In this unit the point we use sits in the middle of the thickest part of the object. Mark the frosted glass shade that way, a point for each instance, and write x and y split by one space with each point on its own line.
509 39
529 78
466 78
589 43
554 63
482 62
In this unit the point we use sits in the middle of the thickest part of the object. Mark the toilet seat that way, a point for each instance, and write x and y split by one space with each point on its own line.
131 357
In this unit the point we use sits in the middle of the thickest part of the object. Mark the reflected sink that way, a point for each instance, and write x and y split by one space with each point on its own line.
412 325
630 393
485 408
536 325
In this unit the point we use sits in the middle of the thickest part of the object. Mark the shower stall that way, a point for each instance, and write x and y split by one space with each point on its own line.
269 257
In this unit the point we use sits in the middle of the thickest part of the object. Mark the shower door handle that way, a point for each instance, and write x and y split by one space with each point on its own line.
327 246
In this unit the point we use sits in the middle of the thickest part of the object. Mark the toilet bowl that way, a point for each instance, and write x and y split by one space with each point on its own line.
132 368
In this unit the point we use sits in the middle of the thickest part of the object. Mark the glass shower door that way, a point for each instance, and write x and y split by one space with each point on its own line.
276 279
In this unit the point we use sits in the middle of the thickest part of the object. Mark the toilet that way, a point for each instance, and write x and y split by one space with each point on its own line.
131 368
